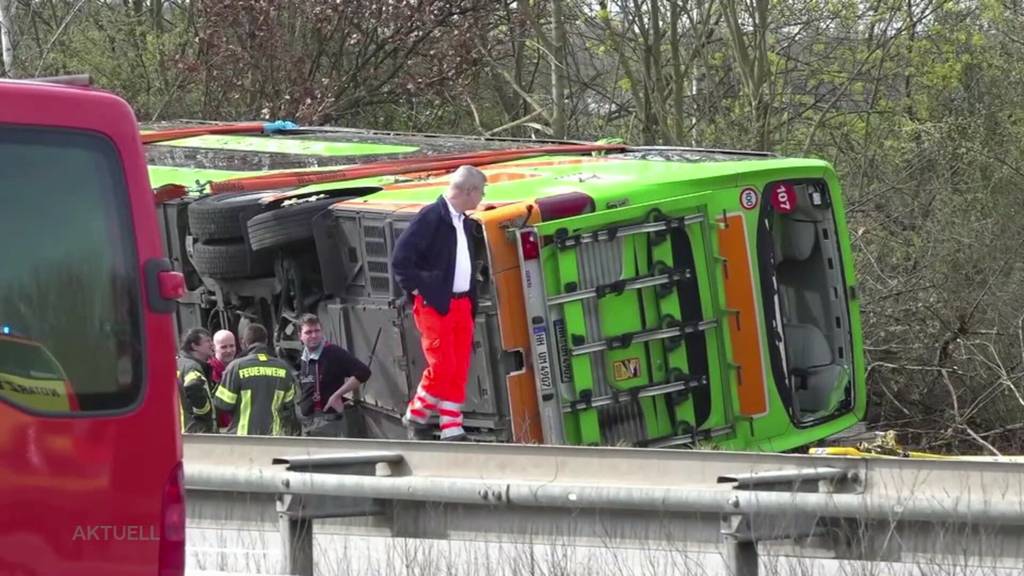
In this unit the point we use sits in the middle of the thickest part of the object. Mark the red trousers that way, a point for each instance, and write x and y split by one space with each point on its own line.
447 342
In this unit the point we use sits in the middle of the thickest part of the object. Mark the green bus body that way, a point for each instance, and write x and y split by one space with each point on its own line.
657 297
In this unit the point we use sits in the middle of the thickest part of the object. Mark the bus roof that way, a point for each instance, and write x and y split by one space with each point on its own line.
200 159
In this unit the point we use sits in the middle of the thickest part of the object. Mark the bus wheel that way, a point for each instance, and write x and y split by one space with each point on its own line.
290 222
231 260
223 216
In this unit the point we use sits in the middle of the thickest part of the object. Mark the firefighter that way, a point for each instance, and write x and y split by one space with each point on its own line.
258 389
197 413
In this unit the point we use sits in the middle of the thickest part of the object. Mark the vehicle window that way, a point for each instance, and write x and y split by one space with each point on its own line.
27 360
70 337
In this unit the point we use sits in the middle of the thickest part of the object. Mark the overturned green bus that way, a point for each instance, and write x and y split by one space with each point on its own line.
642 296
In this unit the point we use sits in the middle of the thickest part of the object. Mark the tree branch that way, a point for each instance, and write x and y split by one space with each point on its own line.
56 35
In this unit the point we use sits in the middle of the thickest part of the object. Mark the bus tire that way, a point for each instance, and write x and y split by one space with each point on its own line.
288 223
231 260
223 216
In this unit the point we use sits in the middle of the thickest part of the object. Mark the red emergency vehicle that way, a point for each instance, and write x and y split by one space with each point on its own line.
90 451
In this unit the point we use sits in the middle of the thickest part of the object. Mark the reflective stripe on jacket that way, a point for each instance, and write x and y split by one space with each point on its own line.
259 390
197 413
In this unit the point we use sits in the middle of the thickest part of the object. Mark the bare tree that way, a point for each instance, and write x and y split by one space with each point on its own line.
7 10
748 24
657 58
553 49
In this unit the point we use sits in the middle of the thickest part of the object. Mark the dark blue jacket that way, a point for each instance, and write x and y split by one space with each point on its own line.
424 256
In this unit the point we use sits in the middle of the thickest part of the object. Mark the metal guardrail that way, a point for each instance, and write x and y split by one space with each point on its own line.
865 509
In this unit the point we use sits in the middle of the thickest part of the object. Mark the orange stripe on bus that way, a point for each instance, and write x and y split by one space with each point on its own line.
523 413
559 162
508 289
492 178
744 328
376 205
495 174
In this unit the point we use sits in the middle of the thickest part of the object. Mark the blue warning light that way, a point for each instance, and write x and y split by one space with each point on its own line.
5 329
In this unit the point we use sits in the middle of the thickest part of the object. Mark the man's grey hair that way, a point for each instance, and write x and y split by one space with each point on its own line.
467 178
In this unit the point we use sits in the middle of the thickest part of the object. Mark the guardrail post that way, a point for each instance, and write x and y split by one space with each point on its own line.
296 538
741 534
296 512
741 559
740 547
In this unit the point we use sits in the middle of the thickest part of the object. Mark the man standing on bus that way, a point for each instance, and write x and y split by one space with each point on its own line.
197 414
433 262
258 389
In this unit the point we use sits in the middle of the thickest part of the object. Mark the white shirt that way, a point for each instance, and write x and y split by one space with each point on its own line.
463 268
